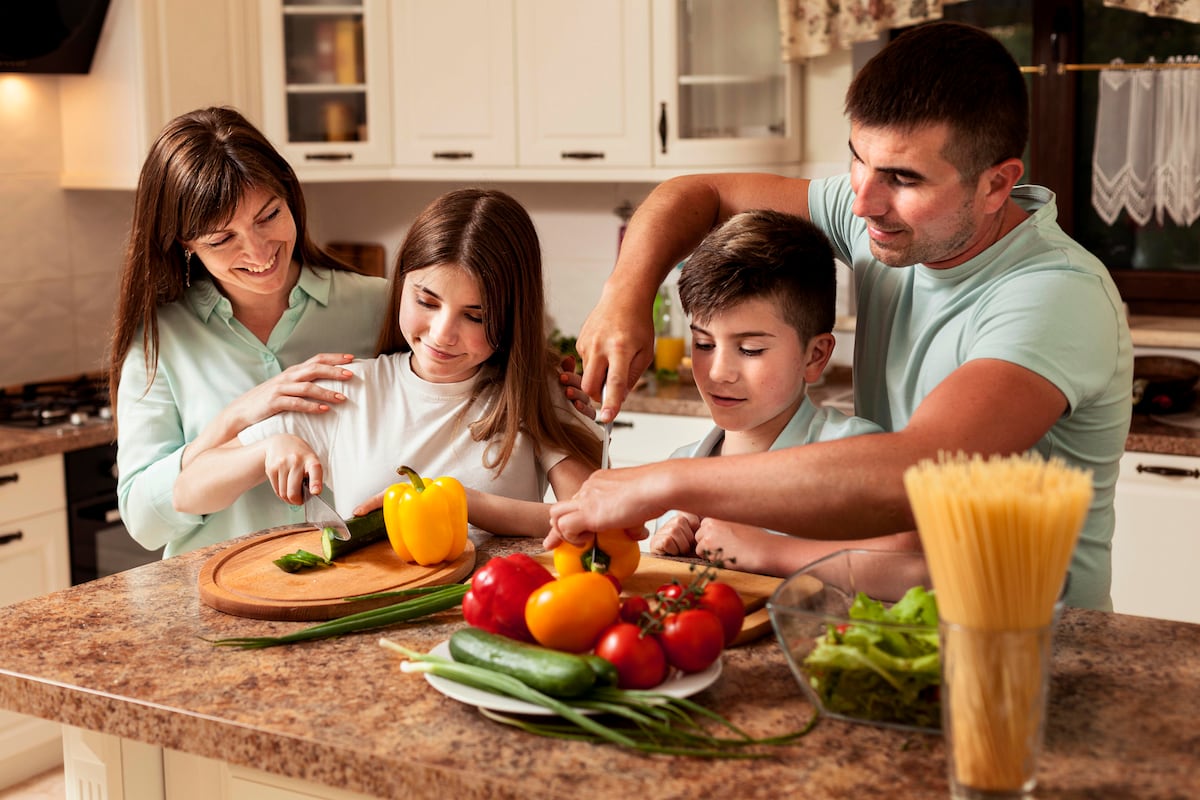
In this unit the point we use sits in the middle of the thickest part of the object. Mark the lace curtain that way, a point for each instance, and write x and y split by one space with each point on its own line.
1186 10
1146 159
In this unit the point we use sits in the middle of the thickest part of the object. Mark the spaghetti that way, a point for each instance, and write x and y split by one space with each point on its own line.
998 535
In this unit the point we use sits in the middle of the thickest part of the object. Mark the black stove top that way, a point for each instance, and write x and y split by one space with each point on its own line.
78 401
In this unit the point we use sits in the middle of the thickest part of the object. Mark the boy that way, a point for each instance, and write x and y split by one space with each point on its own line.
761 332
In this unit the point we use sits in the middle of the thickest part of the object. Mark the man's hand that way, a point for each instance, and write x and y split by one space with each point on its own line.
616 343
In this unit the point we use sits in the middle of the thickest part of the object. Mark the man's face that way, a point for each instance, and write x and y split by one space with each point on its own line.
917 208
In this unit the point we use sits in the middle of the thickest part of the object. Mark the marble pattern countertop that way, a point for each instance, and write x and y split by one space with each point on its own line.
129 655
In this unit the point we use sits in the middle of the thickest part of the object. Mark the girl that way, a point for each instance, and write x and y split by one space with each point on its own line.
465 385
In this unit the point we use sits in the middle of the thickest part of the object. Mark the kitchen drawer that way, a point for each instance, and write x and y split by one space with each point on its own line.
31 487
642 438
33 556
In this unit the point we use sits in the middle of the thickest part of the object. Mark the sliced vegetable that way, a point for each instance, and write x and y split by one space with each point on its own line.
499 591
614 553
424 601
364 530
551 671
301 559
426 521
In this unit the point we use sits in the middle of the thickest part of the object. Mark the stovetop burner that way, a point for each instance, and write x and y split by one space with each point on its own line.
79 401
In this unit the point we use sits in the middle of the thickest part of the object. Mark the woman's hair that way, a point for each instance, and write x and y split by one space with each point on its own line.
769 255
952 73
198 170
490 236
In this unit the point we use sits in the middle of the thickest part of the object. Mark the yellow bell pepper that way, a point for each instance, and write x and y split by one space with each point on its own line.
615 554
426 521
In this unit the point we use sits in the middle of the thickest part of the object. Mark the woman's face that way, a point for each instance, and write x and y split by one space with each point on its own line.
251 257
441 318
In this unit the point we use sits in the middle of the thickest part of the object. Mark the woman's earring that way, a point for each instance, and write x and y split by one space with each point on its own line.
187 262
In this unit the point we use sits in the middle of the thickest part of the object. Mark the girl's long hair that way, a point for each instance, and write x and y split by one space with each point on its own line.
197 171
490 235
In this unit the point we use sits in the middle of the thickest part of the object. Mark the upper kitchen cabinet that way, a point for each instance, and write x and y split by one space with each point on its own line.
722 94
155 60
583 83
326 83
453 83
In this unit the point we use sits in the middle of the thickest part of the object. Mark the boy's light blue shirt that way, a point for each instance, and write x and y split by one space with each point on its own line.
206 359
1035 298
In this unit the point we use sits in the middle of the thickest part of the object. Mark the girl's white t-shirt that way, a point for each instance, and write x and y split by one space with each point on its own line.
393 417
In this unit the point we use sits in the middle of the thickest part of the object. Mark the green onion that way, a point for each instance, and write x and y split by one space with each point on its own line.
654 722
429 602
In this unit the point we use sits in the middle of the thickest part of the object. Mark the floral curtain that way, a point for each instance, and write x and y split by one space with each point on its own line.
816 27
1186 10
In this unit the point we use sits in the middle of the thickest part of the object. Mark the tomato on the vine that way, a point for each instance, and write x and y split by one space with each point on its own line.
639 658
633 608
724 601
692 639
673 592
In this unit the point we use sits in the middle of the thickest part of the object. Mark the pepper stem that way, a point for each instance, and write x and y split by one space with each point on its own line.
412 475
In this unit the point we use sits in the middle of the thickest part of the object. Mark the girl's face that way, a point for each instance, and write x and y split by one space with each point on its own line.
751 368
441 318
252 255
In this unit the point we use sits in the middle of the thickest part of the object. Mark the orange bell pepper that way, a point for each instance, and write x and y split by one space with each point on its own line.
615 554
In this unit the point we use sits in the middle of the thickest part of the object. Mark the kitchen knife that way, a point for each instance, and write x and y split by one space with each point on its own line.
608 426
321 515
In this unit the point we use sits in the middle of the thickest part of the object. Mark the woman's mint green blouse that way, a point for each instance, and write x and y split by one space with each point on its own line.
207 359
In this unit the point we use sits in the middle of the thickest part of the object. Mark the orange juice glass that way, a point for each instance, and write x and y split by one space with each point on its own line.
668 352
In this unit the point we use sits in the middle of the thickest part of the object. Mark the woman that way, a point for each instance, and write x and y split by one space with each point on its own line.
224 300
466 385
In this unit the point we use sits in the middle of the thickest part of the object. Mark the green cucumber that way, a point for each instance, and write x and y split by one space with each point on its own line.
606 671
552 672
364 530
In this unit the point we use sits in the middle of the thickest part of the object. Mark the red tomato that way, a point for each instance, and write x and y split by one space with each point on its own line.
632 608
671 592
692 639
640 661
724 601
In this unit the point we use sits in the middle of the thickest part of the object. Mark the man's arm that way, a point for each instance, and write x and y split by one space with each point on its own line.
845 489
616 341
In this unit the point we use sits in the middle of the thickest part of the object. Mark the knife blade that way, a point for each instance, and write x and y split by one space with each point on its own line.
321 515
604 464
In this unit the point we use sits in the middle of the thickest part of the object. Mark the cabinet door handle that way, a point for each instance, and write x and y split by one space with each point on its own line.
582 155
453 155
329 156
5 538
1170 472
12 478
662 126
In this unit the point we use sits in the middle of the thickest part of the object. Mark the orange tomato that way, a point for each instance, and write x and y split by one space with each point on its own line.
570 613
618 556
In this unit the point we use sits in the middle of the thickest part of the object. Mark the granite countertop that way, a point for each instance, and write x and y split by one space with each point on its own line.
127 655
24 444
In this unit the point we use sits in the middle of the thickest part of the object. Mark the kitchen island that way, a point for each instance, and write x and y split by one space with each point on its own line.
128 656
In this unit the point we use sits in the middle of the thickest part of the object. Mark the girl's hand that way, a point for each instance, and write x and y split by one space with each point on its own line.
676 536
287 461
294 389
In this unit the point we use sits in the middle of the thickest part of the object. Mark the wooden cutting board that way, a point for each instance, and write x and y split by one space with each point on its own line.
243 580
654 571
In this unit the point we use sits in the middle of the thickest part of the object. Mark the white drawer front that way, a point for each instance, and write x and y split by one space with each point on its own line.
32 487
641 438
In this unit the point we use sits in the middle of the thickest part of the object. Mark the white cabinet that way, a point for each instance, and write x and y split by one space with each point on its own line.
583 83
453 83
155 60
1156 546
33 561
642 438
326 82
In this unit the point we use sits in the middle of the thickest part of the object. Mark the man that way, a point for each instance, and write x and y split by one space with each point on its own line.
982 327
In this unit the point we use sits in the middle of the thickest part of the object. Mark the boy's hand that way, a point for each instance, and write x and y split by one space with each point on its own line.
287 461
676 536
745 547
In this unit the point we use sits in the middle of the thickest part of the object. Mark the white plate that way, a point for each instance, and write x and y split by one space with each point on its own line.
678 685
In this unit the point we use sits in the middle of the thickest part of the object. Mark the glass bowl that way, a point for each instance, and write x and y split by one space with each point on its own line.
878 672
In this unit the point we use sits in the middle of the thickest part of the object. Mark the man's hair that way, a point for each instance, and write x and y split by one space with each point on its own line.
953 73
769 255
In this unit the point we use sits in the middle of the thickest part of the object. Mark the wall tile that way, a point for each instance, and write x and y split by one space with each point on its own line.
37 320
29 125
33 229
94 299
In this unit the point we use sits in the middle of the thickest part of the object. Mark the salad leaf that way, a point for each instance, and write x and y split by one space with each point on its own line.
877 672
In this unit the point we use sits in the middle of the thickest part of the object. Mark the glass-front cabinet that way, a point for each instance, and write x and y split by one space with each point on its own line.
331 59
723 95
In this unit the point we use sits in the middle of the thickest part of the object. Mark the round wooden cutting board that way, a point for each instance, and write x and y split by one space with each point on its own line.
243 579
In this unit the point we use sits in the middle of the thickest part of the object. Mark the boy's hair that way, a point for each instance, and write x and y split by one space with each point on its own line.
490 236
953 73
769 255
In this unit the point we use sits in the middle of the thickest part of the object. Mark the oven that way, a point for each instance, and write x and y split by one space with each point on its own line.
98 542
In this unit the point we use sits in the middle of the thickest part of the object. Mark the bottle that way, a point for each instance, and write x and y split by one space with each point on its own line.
668 331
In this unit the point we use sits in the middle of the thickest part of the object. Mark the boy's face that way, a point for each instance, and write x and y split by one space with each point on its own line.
751 368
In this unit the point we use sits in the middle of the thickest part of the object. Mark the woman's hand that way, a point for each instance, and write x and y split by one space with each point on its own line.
294 389
288 460
676 536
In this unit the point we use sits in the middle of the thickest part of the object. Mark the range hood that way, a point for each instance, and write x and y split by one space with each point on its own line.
50 37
